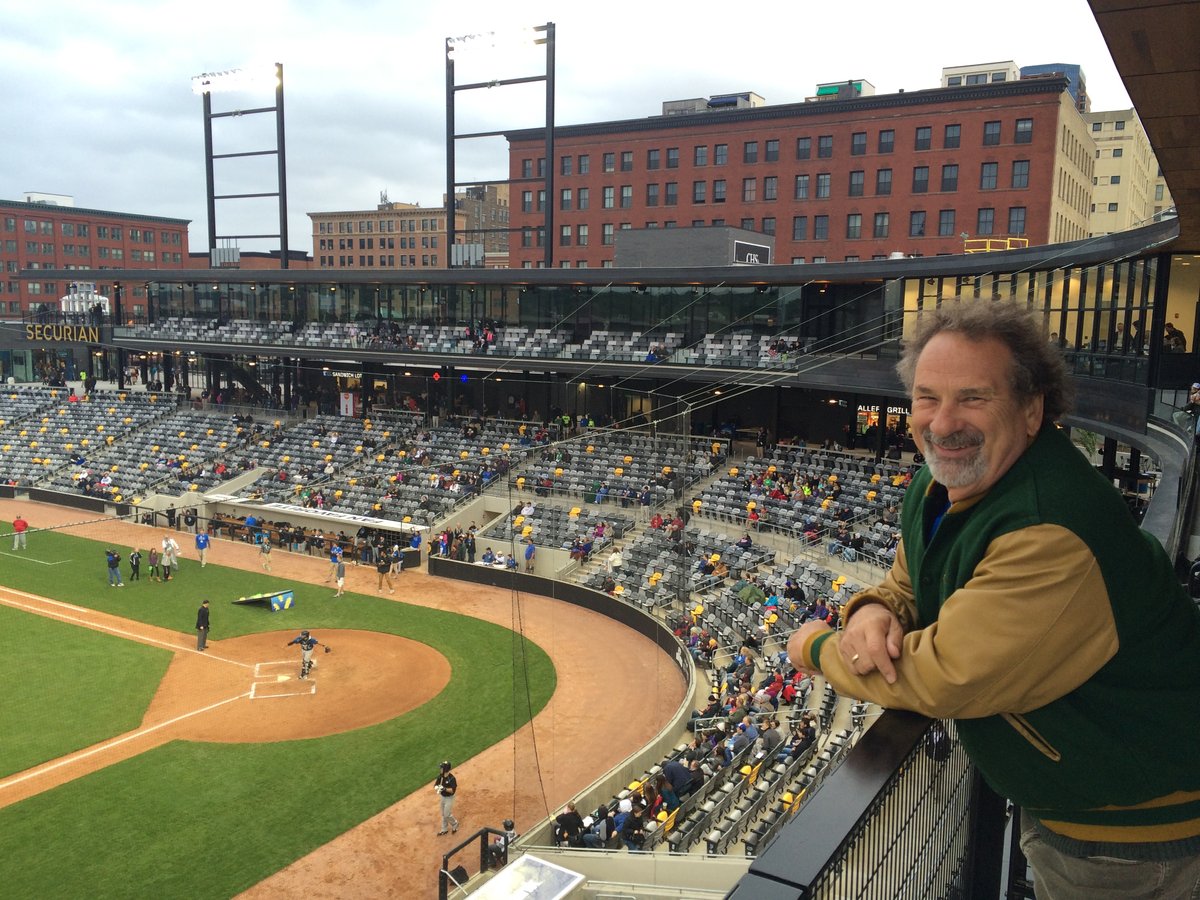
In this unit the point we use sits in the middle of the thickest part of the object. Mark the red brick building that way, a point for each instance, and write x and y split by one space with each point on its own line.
831 179
51 233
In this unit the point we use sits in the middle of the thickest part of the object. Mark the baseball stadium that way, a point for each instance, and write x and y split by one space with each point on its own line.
547 529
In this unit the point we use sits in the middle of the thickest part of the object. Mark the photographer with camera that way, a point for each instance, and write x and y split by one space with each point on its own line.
113 557
446 786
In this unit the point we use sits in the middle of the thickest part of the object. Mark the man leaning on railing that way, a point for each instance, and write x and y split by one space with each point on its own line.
1025 603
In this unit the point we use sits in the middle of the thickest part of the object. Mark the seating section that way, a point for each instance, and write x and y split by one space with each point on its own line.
45 435
738 348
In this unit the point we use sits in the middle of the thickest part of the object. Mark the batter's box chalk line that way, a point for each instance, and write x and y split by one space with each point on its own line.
306 689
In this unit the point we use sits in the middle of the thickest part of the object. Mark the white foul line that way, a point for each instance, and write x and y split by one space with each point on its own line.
108 745
99 626
32 560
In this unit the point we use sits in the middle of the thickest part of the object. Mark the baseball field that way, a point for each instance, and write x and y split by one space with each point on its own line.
211 817
132 765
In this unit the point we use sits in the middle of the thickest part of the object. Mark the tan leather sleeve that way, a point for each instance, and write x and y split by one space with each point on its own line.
895 592
1031 625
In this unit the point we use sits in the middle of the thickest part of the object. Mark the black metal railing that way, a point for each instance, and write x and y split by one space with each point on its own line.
906 815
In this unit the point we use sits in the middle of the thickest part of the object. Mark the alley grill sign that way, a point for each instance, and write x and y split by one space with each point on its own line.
86 334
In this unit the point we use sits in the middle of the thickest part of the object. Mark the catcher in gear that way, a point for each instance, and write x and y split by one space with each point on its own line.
307 643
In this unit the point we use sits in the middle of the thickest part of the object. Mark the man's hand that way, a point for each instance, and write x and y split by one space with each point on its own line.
871 640
796 643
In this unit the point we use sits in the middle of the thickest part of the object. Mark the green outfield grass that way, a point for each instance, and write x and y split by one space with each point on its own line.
66 687
209 820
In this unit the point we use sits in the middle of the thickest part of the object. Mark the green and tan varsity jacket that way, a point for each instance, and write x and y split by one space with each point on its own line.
1054 631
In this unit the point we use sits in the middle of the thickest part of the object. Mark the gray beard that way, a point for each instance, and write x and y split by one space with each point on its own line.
956 473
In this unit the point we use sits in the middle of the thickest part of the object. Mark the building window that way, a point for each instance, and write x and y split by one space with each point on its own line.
824 146
985 221
1024 132
771 187
565 198
857 179
672 157
607 234
747 224
1159 191
700 155
823 185
541 201
1118 125
527 168
883 182
771 151
991 134
820 228
652 195
916 223
950 178
1020 173
1112 207
609 198
803 148
749 190
1096 126
882 224
989 172
924 138
887 140
626 160
768 225
626 196
564 236
1116 179
920 182
946 223
719 191
672 194
720 154
585 197
527 201
952 136
1118 153
699 191
801 191
585 163
858 143
854 225
610 162
1016 220
565 165
799 228
653 159
750 152
581 235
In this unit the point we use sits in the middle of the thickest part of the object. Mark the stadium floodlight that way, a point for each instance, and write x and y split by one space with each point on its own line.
249 79
508 38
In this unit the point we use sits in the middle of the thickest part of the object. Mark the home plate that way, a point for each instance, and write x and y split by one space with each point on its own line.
281 687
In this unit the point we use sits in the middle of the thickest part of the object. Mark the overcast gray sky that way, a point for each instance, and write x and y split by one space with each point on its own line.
97 101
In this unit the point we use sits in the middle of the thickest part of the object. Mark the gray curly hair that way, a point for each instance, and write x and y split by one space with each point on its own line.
1038 368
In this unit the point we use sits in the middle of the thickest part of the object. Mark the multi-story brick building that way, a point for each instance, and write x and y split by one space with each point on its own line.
47 231
848 178
409 236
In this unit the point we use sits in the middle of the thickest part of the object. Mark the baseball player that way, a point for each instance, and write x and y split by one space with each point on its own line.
307 642
446 786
